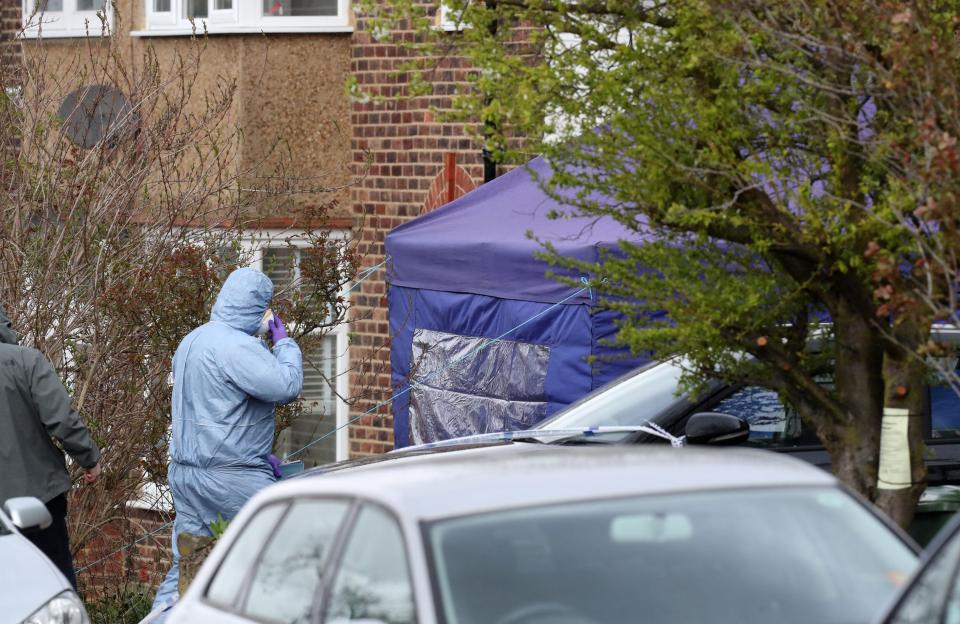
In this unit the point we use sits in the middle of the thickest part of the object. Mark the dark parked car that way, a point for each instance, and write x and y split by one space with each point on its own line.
618 412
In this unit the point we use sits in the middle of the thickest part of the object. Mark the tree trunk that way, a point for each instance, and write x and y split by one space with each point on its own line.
854 443
904 374
867 379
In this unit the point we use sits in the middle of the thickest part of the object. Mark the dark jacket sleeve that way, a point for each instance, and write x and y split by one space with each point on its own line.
56 412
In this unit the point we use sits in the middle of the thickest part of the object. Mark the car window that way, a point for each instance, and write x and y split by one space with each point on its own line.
944 412
944 408
778 555
373 582
772 423
632 401
924 600
287 577
226 584
951 612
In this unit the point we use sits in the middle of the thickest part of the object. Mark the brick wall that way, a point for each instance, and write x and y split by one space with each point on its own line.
404 144
105 568
10 22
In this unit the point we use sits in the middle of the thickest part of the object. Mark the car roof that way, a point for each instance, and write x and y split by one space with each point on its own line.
475 480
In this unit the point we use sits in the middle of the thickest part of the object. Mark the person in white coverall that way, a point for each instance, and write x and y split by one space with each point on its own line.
226 383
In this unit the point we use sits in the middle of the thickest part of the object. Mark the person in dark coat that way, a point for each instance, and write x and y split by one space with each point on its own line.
35 410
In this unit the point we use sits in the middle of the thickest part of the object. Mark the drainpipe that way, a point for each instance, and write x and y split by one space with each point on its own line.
489 164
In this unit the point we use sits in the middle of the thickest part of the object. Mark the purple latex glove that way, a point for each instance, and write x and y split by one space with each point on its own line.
276 329
275 464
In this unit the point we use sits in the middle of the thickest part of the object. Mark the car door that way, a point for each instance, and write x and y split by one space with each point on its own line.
274 572
372 583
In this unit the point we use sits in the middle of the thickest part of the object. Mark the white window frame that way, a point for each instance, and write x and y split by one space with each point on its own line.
246 16
61 24
445 19
253 247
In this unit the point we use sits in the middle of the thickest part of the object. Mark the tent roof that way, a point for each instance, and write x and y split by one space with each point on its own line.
478 243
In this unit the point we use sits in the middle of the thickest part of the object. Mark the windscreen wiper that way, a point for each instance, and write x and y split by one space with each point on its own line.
591 434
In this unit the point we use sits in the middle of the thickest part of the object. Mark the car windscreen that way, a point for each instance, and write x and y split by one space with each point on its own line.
802 554
630 401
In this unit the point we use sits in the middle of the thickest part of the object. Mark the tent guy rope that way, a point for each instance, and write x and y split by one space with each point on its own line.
363 276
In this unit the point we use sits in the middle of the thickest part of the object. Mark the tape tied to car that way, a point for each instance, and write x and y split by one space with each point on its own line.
659 431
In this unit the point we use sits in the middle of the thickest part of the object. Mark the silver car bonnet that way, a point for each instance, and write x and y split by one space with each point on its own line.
27 578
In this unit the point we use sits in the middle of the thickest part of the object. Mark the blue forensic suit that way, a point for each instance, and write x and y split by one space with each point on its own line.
225 386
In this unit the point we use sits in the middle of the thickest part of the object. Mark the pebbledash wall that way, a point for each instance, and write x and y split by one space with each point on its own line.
414 159
411 161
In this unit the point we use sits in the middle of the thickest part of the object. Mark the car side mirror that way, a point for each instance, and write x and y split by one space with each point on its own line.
716 429
27 513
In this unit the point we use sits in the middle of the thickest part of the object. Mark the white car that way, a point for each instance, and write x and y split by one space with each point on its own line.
32 589
544 535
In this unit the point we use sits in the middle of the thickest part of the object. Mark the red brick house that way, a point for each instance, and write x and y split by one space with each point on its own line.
416 162
413 163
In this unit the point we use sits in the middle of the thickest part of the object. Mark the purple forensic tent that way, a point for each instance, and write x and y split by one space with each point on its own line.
466 273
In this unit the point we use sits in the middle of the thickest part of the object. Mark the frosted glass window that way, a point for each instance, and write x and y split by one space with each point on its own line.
196 8
49 5
294 8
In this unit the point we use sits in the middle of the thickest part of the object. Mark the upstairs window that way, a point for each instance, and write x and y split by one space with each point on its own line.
450 15
179 17
65 18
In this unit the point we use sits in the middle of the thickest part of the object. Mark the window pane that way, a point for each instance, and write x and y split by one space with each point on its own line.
299 7
924 600
750 556
223 5
944 407
49 5
91 5
161 6
287 578
319 417
617 404
951 613
196 8
771 422
373 584
229 578
280 265
944 412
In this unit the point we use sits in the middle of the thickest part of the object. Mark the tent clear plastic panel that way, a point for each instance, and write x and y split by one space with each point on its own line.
461 387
